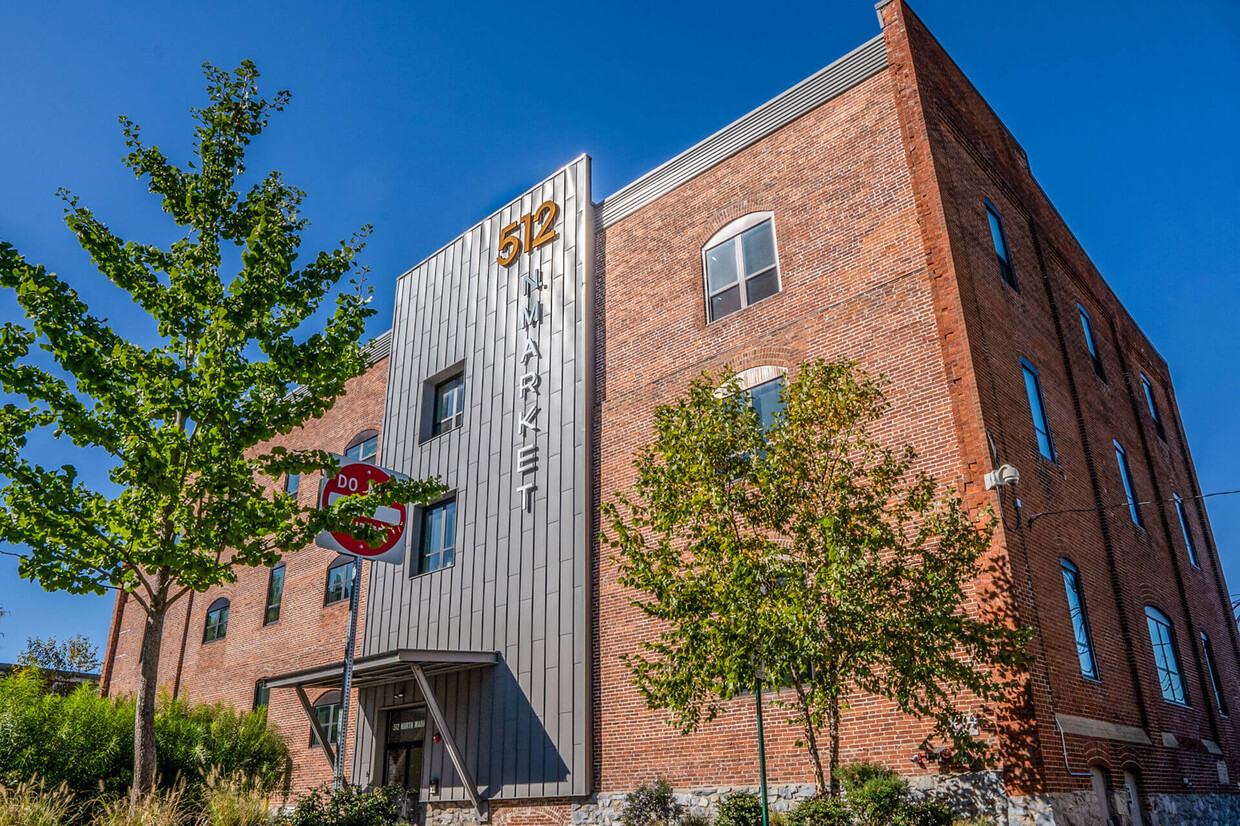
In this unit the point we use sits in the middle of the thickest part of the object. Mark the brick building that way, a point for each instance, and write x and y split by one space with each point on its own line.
879 211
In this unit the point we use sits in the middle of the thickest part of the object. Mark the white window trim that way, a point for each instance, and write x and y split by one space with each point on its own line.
748 379
729 231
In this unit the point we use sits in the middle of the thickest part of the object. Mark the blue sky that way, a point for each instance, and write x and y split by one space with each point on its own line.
421 118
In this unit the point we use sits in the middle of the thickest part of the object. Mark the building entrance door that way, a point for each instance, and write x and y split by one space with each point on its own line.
402 760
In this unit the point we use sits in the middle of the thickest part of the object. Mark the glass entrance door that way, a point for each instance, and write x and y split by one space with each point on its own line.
406 736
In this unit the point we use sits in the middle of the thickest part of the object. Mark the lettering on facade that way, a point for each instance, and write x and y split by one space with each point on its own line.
529 381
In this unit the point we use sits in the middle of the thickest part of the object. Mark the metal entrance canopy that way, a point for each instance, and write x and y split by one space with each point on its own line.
389 667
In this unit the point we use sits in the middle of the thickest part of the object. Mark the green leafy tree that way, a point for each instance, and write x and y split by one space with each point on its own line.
74 654
807 552
180 417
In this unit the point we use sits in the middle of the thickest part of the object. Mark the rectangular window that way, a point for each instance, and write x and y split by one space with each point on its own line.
339 580
262 694
1129 489
364 451
741 270
1037 408
999 237
291 483
1089 342
1149 397
437 548
1188 535
1162 637
449 405
275 594
1220 696
1080 620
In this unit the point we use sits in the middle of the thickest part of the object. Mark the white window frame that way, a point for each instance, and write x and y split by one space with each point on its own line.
729 231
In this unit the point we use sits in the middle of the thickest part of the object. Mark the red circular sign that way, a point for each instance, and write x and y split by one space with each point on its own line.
355 480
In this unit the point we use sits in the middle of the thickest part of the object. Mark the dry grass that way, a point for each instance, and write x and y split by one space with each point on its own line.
156 809
32 804
234 801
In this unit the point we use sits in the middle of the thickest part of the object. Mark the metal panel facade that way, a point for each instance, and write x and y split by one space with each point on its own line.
518 585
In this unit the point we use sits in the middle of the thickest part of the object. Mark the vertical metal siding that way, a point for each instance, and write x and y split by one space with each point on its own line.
519 578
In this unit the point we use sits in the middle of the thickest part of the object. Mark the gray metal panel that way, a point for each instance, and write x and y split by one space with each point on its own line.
517 582
854 67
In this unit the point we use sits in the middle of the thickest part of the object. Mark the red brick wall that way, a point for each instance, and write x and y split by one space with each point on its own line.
307 633
854 285
964 154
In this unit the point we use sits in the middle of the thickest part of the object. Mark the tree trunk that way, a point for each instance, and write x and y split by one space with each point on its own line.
144 714
833 732
811 743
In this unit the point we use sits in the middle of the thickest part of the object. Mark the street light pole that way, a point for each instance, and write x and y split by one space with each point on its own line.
766 816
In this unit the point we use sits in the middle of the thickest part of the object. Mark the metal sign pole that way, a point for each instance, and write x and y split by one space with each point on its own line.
346 690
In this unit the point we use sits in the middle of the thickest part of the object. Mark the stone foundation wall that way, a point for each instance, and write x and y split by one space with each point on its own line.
977 794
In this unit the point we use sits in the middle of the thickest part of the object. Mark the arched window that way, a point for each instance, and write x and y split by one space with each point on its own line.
275 594
327 711
364 447
763 385
339 579
740 265
262 694
217 621
1162 638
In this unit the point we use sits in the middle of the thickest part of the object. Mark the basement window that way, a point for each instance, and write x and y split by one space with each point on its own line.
740 265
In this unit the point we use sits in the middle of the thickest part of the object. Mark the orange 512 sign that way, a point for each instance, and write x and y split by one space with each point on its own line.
512 242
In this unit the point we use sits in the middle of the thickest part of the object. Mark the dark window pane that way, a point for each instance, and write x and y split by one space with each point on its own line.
721 266
762 286
726 303
999 238
449 405
758 245
1220 696
438 537
275 594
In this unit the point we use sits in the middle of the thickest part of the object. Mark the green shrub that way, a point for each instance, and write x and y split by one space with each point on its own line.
651 805
927 813
855 775
86 741
192 741
350 806
28 804
81 740
820 811
740 809
876 795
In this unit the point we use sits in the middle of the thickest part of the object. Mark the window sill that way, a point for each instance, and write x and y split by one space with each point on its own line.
434 436
421 574
713 321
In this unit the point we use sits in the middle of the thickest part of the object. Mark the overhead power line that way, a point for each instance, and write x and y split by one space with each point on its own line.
1126 504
